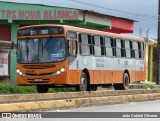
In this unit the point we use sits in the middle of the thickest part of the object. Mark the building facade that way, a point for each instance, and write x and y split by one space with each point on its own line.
15 14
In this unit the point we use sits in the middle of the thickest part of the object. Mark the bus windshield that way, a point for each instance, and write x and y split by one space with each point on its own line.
41 50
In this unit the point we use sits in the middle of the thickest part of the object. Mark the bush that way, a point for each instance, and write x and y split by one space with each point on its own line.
15 89
149 86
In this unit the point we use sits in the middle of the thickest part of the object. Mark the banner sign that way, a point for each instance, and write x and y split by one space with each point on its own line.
3 63
38 115
37 12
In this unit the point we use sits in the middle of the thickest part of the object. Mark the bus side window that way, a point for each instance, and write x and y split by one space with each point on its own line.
135 48
123 50
113 44
85 44
142 50
72 45
118 48
128 49
109 46
132 50
139 50
103 50
97 45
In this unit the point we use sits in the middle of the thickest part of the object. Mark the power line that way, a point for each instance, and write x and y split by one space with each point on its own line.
121 11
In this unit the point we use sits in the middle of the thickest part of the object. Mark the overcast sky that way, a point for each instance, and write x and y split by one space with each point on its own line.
143 11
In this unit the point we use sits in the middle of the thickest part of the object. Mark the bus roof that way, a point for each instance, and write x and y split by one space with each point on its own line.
85 30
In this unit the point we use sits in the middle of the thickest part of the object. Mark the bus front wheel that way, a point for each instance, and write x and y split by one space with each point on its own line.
83 86
42 88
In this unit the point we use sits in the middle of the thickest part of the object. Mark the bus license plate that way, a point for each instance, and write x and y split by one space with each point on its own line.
38 80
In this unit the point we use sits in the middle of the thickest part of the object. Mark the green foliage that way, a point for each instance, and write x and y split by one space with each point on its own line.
15 89
149 86
12 89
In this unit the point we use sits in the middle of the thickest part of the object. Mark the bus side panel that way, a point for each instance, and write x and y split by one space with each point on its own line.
119 76
91 73
109 77
140 76
140 70
119 70
74 77
109 70
97 76
102 77
132 76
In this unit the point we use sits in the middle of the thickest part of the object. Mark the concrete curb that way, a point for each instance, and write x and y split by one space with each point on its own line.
78 102
69 95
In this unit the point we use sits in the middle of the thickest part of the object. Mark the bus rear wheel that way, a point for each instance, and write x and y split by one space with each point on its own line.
83 86
42 88
126 81
124 85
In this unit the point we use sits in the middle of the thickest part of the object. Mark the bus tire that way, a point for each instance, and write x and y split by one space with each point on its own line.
124 85
83 86
42 88
126 80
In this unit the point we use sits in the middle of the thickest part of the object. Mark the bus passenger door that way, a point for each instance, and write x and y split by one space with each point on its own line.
72 55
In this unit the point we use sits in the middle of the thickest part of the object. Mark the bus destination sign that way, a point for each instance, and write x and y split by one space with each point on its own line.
40 31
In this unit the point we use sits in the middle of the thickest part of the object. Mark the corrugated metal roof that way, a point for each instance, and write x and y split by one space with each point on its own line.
76 4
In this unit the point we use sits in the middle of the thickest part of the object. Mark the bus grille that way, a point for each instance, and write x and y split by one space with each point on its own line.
33 81
36 66
42 74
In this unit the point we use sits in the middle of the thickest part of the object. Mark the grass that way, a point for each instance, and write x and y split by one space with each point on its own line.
15 89
149 86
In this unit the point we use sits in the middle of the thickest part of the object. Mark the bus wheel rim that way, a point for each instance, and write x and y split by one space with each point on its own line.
126 81
83 83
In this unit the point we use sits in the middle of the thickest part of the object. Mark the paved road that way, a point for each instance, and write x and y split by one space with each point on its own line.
150 106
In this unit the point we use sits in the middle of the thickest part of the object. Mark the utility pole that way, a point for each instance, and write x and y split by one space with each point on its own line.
158 48
147 33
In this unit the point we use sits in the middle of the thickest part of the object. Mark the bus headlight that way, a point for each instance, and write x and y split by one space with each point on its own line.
58 72
20 73
18 70
62 69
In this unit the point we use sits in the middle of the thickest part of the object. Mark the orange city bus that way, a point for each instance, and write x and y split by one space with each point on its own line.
60 55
